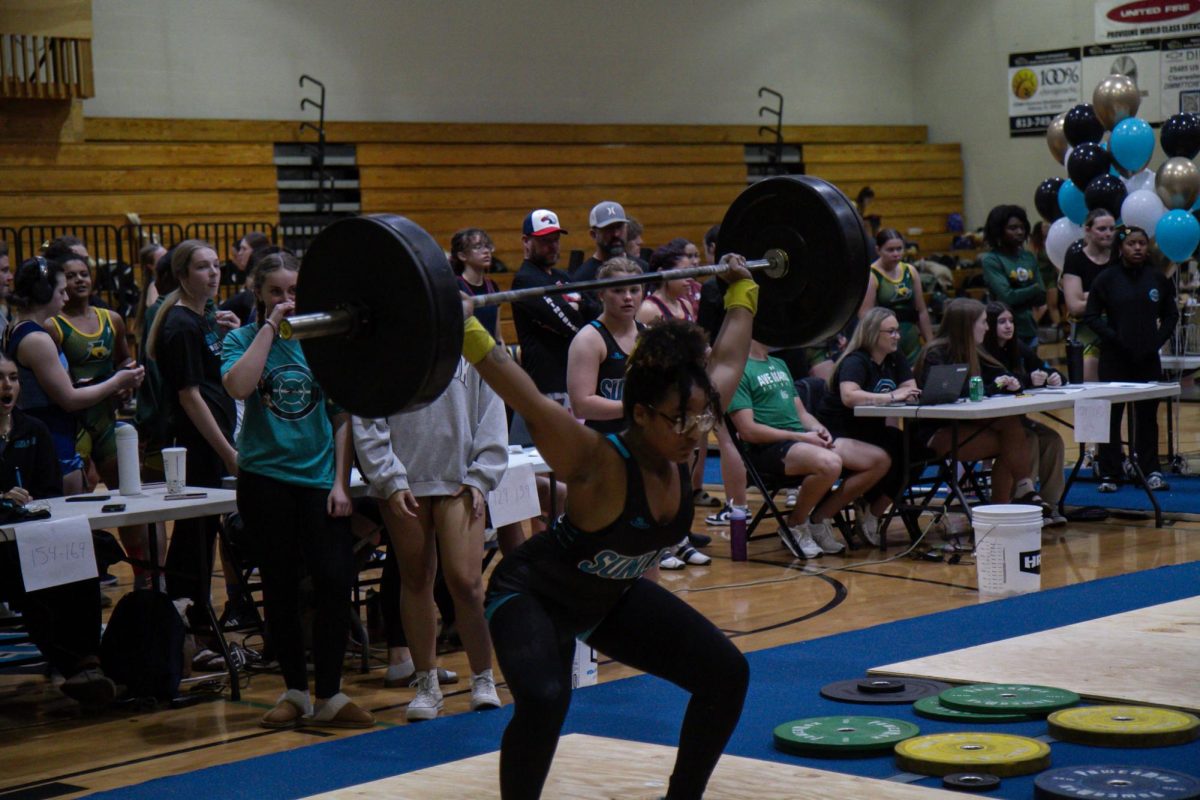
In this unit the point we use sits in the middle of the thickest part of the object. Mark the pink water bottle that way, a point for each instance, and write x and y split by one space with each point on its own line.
737 533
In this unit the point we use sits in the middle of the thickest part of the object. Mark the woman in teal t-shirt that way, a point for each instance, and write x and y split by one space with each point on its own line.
293 492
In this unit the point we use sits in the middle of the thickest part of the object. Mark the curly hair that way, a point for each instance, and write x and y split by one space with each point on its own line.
671 355
997 221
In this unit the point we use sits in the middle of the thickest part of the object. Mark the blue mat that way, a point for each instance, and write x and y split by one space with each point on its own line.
784 686
1183 497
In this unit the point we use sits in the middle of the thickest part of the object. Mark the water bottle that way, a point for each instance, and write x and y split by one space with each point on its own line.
737 533
129 465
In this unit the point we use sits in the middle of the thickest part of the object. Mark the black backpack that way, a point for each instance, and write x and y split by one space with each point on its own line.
142 648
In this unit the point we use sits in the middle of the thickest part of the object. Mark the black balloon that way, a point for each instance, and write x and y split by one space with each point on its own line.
1045 199
1107 192
1082 125
1180 136
1087 162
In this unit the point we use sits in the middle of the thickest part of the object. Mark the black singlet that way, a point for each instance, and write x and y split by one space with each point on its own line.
580 575
610 378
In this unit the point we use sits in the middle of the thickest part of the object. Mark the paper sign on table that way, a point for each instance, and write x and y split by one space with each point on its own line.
1091 421
56 552
516 497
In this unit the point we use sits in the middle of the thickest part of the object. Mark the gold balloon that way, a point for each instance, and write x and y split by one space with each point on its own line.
1116 98
1056 137
1177 183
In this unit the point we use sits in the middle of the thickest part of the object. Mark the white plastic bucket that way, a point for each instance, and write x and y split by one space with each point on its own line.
1008 548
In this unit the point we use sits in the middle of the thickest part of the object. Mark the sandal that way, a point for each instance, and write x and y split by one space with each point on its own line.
340 711
703 499
289 712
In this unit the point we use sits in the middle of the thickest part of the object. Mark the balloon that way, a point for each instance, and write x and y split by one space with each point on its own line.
1177 182
1132 143
1142 209
1056 138
1181 136
1045 199
1105 192
1177 234
1081 125
1087 161
1141 180
1062 234
1115 98
1071 201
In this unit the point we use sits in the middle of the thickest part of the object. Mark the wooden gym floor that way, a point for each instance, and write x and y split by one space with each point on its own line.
764 602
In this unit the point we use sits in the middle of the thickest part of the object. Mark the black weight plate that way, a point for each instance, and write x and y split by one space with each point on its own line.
828 249
971 782
912 690
880 685
1115 782
407 354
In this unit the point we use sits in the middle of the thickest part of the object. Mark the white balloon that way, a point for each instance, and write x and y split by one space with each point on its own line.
1142 209
1062 234
1140 181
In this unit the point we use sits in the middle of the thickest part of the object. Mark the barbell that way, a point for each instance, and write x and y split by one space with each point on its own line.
379 315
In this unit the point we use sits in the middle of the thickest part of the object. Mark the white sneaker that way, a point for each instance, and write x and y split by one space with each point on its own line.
822 535
868 525
790 500
669 561
483 691
799 542
690 555
428 701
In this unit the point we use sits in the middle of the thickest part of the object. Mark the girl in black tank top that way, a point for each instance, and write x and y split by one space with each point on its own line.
626 501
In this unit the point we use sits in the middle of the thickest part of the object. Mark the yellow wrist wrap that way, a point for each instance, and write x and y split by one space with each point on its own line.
742 294
477 342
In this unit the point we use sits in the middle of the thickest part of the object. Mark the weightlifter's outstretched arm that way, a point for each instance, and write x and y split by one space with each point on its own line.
568 447
732 347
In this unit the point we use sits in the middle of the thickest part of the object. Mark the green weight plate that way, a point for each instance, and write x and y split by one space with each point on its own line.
1008 698
931 708
842 736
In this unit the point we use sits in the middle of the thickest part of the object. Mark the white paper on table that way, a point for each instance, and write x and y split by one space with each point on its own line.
516 497
1091 421
56 552
1061 390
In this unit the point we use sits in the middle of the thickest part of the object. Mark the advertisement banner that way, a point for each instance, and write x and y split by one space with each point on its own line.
1136 60
1146 19
1041 86
1180 76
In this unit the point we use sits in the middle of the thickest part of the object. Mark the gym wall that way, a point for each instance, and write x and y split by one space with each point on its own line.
575 61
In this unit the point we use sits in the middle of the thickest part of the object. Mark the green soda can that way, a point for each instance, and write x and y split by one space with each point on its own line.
976 384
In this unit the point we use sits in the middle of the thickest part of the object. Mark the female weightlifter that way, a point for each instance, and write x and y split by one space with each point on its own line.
628 500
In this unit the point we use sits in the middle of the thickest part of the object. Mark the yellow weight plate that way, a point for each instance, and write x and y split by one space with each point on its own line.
1000 754
1123 726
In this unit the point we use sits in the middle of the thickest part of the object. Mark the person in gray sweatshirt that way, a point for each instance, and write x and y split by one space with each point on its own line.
431 469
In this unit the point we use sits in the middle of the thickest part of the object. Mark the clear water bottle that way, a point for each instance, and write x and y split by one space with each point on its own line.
737 533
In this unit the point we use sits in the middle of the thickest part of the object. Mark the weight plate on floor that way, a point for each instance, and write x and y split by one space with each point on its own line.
932 708
991 753
1115 782
880 686
842 736
1008 698
852 691
971 782
1123 726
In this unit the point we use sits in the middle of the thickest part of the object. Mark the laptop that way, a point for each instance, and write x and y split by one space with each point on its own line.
943 384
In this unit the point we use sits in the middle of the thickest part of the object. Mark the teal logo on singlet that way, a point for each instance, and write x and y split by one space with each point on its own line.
614 566
1154 295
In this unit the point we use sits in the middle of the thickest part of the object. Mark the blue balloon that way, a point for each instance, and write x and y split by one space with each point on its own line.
1132 143
1177 234
1071 202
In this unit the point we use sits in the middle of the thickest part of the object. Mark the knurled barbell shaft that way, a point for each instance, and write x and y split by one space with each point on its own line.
340 321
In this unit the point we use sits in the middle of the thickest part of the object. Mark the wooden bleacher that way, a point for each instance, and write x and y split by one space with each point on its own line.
676 179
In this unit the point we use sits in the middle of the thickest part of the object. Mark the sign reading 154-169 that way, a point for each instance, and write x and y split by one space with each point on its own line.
1041 86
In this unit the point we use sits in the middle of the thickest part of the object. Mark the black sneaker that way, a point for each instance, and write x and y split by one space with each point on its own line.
108 579
699 539
721 517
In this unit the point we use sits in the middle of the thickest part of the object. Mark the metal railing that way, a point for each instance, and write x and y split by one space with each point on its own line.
45 67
